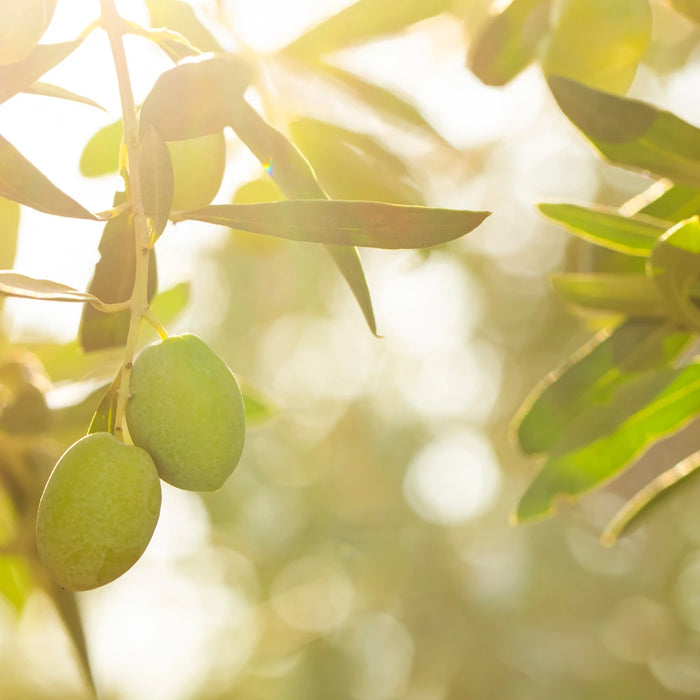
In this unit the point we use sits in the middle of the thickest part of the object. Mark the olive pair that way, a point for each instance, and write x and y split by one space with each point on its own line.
101 503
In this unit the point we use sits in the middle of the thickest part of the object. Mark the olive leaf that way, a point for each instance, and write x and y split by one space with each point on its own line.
13 284
23 183
49 90
104 419
157 184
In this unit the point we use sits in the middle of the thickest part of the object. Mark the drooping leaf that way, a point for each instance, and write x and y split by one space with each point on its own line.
13 284
592 374
605 441
157 182
689 8
362 21
649 497
181 17
295 177
674 266
113 281
101 153
104 418
48 90
631 295
17 77
23 183
631 133
385 103
196 97
350 165
632 235
349 223
508 42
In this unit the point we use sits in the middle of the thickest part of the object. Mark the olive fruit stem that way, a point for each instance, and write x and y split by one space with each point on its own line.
149 316
114 25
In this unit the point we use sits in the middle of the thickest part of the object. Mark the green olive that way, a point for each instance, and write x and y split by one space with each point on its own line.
598 42
98 512
198 168
187 411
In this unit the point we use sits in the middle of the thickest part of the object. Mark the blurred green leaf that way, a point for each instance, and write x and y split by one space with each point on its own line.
16 582
606 440
168 305
101 153
23 183
689 8
383 102
181 17
257 408
362 21
48 90
113 281
632 295
674 265
9 226
630 133
350 165
508 42
17 77
196 97
348 223
673 203
592 374
104 419
296 179
649 498
156 180
632 235
13 284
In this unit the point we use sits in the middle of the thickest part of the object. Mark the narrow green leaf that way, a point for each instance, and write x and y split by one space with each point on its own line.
508 42
113 281
104 418
632 235
101 153
649 498
350 165
631 295
181 17
349 223
362 21
689 8
591 375
13 284
296 179
48 90
674 266
23 183
196 97
642 412
17 77
156 180
385 103
630 133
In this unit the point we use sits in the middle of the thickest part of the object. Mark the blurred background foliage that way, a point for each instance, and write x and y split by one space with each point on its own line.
362 549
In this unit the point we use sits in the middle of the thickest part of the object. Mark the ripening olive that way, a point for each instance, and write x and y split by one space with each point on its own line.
98 511
22 22
187 411
598 42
